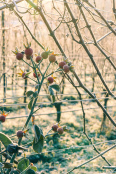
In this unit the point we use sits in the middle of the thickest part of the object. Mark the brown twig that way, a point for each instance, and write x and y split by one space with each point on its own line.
86 49
28 29
94 97
91 32
86 162
97 11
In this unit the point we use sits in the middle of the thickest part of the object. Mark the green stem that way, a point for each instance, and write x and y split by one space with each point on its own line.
27 63
46 69
33 80
38 66
34 67
36 110
30 115
51 134
48 132
54 72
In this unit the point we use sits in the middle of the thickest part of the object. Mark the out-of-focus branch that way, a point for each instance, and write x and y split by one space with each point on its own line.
10 5
94 97
87 50
102 37
109 167
86 162
28 29
97 11
47 25
94 39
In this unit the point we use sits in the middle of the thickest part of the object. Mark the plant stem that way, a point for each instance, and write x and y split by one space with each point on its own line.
31 112
38 66
34 67
36 110
91 159
46 69
32 80
27 63
54 72
51 134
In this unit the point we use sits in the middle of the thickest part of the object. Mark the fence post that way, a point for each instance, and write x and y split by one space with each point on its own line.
25 90
3 56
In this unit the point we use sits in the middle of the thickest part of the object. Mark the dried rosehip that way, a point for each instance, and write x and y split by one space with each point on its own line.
2 118
61 64
19 56
55 127
13 148
60 130
24 75
66 68
28 51
35 75
20 134
50 79
52 58
38 59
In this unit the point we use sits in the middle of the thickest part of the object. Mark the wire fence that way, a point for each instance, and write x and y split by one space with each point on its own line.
96 76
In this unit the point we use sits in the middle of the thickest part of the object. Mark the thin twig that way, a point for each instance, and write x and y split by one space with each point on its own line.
86 162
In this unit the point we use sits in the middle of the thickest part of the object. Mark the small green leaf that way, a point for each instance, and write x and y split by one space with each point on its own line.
38 147
30 171
37 86
29 93
38 139
30 103
37 132
28 73
23 164
53 98
55 86
34 168
35 94
51 91
5 139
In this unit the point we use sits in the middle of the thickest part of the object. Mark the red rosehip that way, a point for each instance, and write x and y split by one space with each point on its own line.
66 68
24 76
52 58
20 134
19 56
28 57
55 127
60 130
38 58
61 64
35 75
44 55
50 79
28 51
2 118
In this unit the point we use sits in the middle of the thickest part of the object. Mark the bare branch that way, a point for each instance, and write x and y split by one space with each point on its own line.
10 5
92 159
